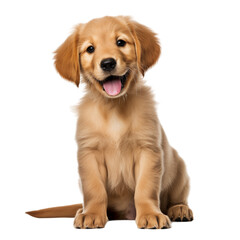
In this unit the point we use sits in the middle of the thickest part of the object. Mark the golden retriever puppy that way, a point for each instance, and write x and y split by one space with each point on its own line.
127 168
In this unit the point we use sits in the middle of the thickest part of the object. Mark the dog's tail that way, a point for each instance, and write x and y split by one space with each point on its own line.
55 212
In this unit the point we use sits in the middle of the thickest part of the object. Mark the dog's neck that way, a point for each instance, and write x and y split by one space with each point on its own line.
137 96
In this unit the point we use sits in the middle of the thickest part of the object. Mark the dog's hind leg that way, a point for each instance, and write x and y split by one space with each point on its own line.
177 206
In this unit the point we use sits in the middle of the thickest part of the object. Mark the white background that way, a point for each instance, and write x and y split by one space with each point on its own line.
196 83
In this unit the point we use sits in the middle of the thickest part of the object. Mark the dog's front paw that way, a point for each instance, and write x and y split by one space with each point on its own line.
89 220
153 221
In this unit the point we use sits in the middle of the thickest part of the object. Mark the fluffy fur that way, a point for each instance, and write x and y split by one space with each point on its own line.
127 168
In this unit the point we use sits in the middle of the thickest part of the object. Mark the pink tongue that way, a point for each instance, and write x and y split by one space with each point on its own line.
113 87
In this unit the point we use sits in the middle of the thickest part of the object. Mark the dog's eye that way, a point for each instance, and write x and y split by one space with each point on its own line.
121 43
90 49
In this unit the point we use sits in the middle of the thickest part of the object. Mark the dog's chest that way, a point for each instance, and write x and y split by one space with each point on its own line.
115 127
110 125
110 132
117 149
118 152
119 161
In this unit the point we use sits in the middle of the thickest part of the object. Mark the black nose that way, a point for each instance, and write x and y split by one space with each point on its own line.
108 64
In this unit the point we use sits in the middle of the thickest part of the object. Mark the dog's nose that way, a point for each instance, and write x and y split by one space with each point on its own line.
108 64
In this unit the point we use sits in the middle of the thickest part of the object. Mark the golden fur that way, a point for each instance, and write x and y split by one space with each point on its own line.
127 168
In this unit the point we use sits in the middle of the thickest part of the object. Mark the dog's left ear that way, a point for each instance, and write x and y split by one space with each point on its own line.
67 58
147 45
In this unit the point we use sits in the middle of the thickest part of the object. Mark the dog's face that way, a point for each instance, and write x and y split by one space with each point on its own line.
109 52
107 56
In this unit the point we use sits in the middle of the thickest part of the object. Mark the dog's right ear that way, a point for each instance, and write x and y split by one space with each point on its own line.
67 58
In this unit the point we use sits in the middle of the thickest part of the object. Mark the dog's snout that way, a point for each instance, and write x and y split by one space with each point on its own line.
108 64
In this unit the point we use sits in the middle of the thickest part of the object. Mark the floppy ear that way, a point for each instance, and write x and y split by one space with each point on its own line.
67 59
147 45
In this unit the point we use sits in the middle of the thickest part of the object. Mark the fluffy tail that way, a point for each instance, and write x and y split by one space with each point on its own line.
55 212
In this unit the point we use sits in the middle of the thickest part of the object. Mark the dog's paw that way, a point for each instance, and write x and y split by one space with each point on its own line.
180 213
153 221
85 220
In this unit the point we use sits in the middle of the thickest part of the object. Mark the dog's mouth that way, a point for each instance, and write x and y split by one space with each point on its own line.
113 85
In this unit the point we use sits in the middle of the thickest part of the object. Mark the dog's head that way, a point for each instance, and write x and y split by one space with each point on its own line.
109 53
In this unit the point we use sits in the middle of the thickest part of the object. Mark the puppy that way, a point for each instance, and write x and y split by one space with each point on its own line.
127 168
